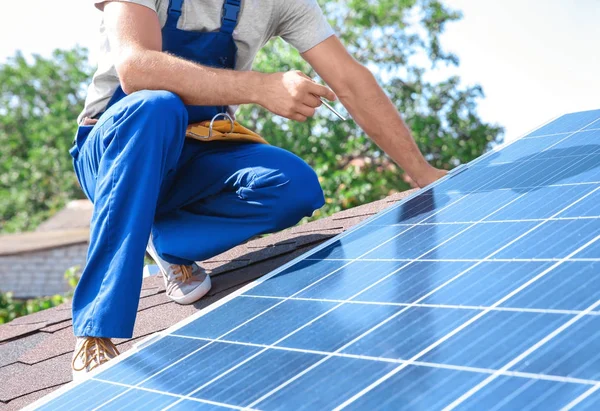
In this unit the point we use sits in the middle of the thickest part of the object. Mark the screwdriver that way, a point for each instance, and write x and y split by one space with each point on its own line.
332 109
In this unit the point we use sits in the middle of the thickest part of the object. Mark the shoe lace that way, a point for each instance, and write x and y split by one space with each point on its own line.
182 273
95 352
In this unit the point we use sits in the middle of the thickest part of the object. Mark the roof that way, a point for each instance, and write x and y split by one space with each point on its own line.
28 242
35 350
69 226
76 214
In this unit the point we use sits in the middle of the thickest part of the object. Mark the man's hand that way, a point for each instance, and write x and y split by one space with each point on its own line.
292 95
430 175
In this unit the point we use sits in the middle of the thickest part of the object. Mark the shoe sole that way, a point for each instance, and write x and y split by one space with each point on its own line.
195 295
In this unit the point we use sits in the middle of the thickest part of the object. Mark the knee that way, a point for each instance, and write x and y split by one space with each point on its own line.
155 118
160 106
298 198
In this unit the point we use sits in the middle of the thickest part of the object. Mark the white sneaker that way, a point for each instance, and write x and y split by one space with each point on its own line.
90 353
185 284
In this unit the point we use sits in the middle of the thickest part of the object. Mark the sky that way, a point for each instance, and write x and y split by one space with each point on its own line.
535 59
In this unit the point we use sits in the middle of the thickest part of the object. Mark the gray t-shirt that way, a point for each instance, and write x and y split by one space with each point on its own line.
299 22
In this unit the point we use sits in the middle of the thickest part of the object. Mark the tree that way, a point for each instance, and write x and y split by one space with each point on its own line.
40 99
399 40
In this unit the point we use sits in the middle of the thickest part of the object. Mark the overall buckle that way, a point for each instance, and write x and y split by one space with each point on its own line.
231 11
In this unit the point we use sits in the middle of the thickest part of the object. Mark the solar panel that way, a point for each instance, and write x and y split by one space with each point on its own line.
479 292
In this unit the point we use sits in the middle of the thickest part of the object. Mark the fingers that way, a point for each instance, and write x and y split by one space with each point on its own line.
322 91
88 121
318 89
298 117
312 101
306 111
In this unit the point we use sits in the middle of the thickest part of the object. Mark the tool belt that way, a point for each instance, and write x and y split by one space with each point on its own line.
223 130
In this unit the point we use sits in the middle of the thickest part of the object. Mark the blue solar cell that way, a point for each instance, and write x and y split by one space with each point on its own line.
543 202
140 400
358 242
351 280
495 339
295 313
555 166
414 242
588 207
590 403
410 332
327 385
297 277
413 282
523 150
487 283
594 126
572 353
200 368
86 395
479 241
581 143
150 360
577 170
514 393
591 251
418 208
339 327
554 239
189 405
257 377
231 315
475 206
418 388
568 123
571 286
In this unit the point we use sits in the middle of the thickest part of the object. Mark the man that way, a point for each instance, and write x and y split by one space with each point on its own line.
163 66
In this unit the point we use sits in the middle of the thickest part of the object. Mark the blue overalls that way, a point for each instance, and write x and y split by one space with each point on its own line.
197 198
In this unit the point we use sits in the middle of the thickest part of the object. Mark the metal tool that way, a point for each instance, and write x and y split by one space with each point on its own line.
332 109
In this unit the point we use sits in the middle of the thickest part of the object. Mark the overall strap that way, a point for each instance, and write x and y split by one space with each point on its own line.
173 13
231 12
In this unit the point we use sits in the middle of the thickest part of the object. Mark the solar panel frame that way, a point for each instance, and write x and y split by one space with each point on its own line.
495 374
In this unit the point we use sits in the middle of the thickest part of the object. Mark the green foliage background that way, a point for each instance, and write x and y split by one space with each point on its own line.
39 101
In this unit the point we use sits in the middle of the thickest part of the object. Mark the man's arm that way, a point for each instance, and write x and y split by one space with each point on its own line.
370 107
134 35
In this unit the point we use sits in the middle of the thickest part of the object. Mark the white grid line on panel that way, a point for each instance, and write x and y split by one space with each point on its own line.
526 159
570 135
580 399
461 260
507 221
169 394
425 305
556 134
